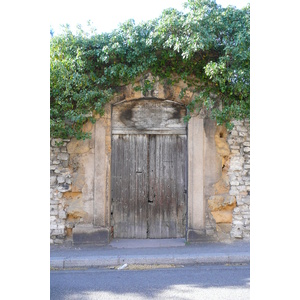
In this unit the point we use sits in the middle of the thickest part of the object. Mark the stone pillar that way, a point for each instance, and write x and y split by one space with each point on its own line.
98 232
100 213
196 204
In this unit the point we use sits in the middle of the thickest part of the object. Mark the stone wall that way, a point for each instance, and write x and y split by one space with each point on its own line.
80 174
60 181
239 178
228 202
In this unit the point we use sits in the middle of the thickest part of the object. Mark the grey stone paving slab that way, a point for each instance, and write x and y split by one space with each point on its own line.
146 243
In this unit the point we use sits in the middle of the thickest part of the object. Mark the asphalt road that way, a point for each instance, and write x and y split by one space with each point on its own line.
185 282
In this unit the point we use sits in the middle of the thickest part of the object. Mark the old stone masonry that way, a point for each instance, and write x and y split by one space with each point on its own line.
147 174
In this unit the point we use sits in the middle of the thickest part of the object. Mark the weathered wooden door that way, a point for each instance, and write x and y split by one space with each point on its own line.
148 170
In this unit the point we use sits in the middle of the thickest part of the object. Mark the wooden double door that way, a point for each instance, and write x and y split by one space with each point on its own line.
148 185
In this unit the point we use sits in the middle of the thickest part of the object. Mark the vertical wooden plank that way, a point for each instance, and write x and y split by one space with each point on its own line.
180 182
141 186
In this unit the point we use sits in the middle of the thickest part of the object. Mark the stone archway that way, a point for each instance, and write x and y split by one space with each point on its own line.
203 167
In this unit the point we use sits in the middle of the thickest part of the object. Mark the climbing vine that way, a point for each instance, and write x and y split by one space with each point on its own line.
208 47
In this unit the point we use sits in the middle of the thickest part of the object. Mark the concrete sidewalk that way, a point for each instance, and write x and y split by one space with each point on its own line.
148 252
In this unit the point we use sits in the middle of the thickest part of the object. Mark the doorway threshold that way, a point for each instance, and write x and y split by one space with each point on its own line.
147 243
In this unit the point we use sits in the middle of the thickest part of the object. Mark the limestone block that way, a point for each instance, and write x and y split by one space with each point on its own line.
238 222
223 216
57 232
222 186
53 212
246 200
243 134
52 180
57 170
242 188
61 179
241 128
236 210
68 180
236 232
235 147
237 122
223 227
235 151
65 163
234 183
217 203
234 133
78 147
62 214
63 156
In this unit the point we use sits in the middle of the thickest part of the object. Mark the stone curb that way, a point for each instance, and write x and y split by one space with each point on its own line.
186 259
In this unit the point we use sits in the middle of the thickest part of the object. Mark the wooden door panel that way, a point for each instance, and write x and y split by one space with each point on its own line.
129 185
148 186
167 209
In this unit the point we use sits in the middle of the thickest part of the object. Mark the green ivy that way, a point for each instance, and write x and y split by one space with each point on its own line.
208 48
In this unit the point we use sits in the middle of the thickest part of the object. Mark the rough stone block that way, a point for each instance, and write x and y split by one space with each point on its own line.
61 179
63 156
194 236
90 235
223 216
57 232
235 151
78 147
62 214
234 133
243 134
241 128
52 180
234 183
237 222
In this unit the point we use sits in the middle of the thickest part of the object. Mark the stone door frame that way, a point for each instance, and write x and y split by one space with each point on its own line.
196 206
